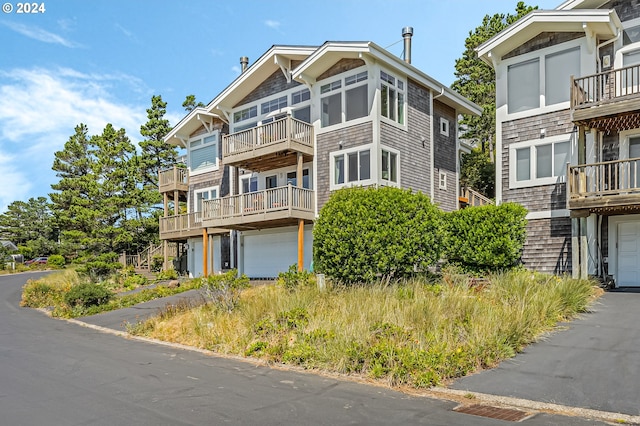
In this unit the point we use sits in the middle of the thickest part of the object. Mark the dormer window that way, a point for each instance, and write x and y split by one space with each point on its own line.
392 97
345 99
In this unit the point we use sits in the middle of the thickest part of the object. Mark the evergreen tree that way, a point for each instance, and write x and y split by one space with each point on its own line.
156 155
190 103
476 80
29 226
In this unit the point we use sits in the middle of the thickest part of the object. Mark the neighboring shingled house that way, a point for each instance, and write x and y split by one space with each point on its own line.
300 122
568 135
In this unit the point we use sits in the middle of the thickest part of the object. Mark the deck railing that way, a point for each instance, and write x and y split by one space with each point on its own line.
284 198
278 131
181 222
174 176
474 198
605 87
602 179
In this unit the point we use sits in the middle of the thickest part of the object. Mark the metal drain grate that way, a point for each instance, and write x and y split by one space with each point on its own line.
498 413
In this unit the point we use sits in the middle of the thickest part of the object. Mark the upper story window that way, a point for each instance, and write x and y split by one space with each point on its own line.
249 184
203 195
389 167
300 96
203 153
344 100
351 167
245 114
292 178
274 105
444 126
539 162
392 97
631 32
541 81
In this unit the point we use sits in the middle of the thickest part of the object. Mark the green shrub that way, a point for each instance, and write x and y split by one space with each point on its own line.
224 290
167 274
131 282
294 278
87 294
486 238
366 233
56 260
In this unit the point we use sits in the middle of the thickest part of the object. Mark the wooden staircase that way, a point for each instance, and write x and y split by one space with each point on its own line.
470 198
143 262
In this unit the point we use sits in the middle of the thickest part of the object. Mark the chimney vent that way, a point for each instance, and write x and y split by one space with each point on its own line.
407 33
244 63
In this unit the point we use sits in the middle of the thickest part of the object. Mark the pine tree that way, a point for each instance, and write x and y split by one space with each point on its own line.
190 103
156 155
476 80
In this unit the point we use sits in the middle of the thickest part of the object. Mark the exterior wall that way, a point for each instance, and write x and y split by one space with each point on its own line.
548 245
275 83
360 134
626 9
416 157
537 198
343 65
541 41
445 157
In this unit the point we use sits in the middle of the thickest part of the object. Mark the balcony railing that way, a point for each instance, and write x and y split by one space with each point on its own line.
181 224
286 133
271 204
176 178
604 183
605 87
473 198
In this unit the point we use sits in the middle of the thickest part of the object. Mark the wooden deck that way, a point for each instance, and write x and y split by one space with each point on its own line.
183 226
262 209
174 179
607 187
269 146
608 100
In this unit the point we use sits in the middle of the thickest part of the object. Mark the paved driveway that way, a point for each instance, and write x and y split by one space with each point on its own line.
594 363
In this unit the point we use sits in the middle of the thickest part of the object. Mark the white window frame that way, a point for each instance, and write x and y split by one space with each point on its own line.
388 182
444 126
212 191
400 90
344 152
442 180
586 67
341 84
630 24
198 142
249 177
531 144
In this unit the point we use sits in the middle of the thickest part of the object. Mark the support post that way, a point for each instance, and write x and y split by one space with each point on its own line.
584 249
575 247
165 252
205 254
300 221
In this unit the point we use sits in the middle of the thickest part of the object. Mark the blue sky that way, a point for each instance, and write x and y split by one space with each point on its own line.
100 61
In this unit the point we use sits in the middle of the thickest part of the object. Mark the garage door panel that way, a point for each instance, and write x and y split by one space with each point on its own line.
268 253
628 254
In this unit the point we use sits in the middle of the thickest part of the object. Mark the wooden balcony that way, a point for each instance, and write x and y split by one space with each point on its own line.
269 146
609 187
270 208
182 226
608 100
174 179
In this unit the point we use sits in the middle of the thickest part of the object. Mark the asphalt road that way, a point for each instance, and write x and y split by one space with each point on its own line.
57 373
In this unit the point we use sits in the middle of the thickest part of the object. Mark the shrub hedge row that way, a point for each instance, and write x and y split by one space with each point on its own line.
364 234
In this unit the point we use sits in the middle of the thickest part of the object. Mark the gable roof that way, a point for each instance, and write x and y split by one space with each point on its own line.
593 22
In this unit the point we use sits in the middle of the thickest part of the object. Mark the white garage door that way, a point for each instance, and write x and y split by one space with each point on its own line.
268 252
628 254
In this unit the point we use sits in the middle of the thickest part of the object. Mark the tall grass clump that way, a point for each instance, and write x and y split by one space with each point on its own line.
409 332
49 291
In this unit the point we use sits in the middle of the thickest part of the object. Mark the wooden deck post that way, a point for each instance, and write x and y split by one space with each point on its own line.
205 254
300 221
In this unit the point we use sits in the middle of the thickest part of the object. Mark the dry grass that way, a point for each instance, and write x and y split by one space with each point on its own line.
412 333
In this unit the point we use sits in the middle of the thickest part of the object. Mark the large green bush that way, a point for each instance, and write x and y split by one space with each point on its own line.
85 295
56 260
486 238
364 234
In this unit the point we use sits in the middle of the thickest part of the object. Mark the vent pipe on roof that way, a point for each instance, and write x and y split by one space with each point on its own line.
244 63
407 33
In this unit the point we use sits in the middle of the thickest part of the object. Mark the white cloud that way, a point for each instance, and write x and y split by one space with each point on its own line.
39 109
272 24
39 34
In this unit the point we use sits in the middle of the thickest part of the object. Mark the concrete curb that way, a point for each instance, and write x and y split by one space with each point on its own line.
454 395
